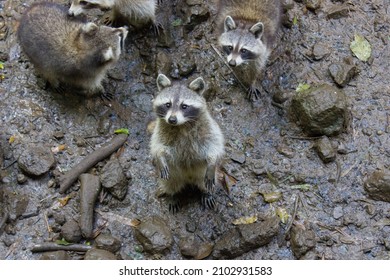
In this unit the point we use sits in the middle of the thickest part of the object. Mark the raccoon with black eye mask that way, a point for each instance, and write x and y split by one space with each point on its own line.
187 144
247 33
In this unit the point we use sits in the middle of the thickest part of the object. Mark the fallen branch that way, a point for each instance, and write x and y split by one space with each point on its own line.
89 161
49 246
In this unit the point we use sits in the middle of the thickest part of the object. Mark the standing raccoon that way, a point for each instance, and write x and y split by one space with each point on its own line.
248 29
68 51
187 144
134 12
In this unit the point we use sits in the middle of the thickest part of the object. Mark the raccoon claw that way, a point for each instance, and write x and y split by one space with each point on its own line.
253 93
208 201
173 205
164 173
157 26
106 96
209 183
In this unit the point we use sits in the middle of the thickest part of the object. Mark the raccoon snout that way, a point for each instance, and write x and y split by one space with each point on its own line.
70 13
172 120
232 63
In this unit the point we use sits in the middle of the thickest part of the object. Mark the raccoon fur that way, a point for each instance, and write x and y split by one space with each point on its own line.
186 144
137 13
68 51
247 33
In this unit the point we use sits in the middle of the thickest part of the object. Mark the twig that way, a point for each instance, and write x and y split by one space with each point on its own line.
228 66
292 217
49 246
303 137
9 165
90 160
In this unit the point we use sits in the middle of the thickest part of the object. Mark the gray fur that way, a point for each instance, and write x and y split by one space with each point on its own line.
186 153
67 51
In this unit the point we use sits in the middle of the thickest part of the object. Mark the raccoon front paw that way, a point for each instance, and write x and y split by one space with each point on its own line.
106 96
209 183
157 26
208 201
164 173
108 20
174 205
253 93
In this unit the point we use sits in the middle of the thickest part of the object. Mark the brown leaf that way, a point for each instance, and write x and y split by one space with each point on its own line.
204 251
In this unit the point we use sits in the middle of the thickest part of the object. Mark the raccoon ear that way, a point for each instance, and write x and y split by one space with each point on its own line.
162 82
257 30
198 85
89 28
229 24
108 55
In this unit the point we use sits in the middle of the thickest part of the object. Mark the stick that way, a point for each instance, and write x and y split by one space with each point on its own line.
49 246
90 160
228 66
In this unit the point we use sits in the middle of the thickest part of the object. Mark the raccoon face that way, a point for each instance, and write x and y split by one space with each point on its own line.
179 104
79 6
108 41
241 44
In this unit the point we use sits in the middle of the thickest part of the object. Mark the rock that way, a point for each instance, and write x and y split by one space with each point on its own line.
320 51
313 5
321 110
186 65
195 15
99 254
338 11
338 212
325 150
114 179
238 156
107 242
71 231
246 237
21 178
342 73
89 191
16 204
303 239
377 185
36 160
55 255
154 235
163 63
285 150
191 248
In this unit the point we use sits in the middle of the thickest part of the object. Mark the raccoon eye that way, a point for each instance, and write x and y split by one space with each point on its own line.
227 49
168 105
184 106
243 51
83 3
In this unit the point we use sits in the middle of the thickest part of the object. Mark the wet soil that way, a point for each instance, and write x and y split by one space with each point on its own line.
328 213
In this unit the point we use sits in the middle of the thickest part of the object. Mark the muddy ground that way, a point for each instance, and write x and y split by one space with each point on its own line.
266 151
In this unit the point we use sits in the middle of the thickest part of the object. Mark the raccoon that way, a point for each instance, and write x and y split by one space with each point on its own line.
137 13
68 51
247 33
186 144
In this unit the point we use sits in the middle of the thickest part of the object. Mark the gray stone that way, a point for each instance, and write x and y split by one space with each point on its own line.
99 254
321 110
320 51
55 256
71 232
338 212
338 11
16 204
342 73
114 179
377 185
285 150
107 242
246 237
36 160
325 150
238 157
303 239
154 235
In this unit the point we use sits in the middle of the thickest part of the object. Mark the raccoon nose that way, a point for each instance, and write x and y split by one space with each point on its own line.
232 62
172 120
70 13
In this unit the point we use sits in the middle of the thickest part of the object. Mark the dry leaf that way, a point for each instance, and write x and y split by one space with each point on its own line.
64 201
245 220
58 149
12 139
361 47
